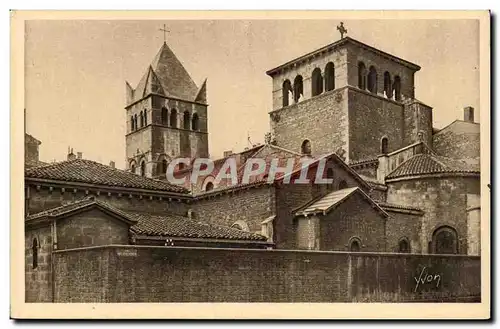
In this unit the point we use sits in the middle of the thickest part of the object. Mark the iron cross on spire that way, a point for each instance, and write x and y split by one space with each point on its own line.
341 29
164 30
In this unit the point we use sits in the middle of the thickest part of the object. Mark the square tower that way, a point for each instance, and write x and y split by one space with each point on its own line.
346 96
166 117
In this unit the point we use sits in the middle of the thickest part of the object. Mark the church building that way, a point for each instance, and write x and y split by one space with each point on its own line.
398 184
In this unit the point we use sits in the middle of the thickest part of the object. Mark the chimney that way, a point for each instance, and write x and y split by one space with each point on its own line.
112 164
71 155
228 153
469 114
79 155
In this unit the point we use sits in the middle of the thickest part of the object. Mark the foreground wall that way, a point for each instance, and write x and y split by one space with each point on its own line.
170 274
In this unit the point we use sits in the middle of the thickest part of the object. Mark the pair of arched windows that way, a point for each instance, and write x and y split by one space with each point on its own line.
192 123
368 79
318 85
139 122
295 92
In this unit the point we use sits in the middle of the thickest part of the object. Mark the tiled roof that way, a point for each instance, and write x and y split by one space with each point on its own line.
77 205
170 225
332 200
86 171
167 76
422 164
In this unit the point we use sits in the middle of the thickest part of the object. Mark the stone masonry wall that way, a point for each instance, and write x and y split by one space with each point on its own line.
38 281
169 274
251 206
321 119
403 225
342 224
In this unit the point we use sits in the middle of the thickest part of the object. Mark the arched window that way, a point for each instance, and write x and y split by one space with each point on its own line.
287 92
372 80
141 117
397 88
164 165
445 240
187 120
387 85
34 248
135 122
132 168
209 186
361 75
132 126
384 145
145 117
195 122
329 77
143 168
317 82
355 245
404 245
164 116
298 89
306 147
173 118
342 185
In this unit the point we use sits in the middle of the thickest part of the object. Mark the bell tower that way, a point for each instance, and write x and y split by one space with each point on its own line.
166 116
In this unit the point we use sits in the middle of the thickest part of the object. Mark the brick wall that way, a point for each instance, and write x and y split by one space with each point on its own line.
251 206
38 281
444 201
321 119
163 274
404 225
342 224
43 199
90 228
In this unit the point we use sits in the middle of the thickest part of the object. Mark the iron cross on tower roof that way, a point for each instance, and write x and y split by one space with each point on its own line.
341 29
164 30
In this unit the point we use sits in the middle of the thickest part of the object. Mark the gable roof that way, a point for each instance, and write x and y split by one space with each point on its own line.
327 203
170 225
80 205
167 76
87 171
425 164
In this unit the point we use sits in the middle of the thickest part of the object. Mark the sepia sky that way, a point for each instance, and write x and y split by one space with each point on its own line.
76 72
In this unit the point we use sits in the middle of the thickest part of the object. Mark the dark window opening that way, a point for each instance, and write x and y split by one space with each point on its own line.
173 118
209 186
306 147
317 82
372 80
384 145
164 165
445 241
141 116
132 168
361 75
397 88
355 246
195 122
143 168
387 85
404 246
135 122
145 117
287 92
35 253
329 77
164 116
298 89
132 126
187 120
